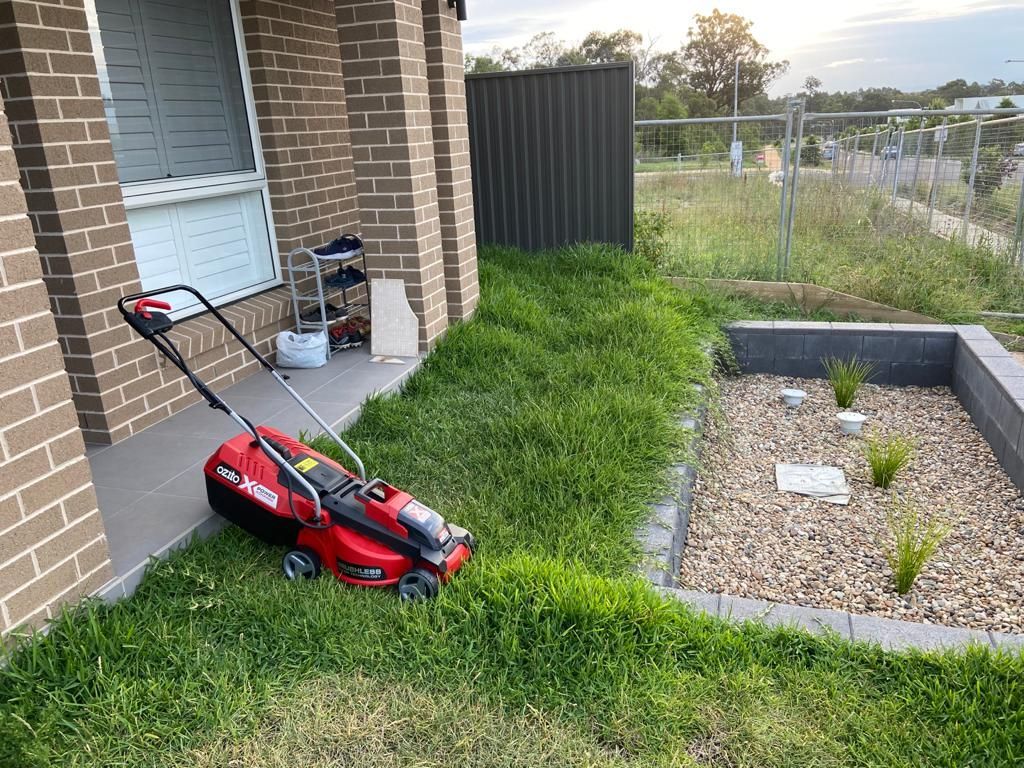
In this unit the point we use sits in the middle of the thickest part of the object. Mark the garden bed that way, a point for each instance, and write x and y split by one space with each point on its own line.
749 540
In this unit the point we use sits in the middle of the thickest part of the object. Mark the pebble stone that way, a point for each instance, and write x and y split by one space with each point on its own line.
749 540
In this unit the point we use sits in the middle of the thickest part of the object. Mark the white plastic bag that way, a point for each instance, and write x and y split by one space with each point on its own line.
301 350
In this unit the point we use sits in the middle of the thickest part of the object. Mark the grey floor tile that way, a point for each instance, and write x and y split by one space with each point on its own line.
293 419
91 449
113 500
899 635
148 459
364 380
191 483
149 525
202 421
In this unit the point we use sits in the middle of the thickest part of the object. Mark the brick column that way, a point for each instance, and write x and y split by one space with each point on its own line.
53 547
74 201
384 64
295 66
442 37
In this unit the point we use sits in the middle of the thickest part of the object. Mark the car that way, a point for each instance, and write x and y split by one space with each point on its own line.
892 151
828 150
1018 149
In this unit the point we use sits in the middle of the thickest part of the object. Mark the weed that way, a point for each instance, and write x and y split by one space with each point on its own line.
887 456
846 378
649 236
913 539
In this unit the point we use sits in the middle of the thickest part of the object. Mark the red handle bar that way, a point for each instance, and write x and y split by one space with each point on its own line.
141 305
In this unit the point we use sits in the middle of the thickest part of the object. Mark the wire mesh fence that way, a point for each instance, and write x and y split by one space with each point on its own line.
909 207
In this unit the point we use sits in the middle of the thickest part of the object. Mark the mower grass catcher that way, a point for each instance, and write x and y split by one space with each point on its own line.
281 491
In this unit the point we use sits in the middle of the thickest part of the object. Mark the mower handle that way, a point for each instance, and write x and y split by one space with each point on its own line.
144 296
141 305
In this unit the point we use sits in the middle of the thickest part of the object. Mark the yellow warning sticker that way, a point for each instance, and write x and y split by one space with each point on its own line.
306 464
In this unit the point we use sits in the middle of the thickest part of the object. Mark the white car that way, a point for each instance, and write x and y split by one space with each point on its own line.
1018 149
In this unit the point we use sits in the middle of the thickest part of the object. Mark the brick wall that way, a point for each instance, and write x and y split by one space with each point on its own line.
295 66
384 65
74 202
52 543
446 83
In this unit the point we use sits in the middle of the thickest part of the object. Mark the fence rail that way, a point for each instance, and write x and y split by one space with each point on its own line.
818 183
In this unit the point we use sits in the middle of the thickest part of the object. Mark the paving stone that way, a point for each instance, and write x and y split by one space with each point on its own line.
753 326
986 348
925 329
1004 642
968 332
864 329
702 601
815 620
896 635
1003 367
802 327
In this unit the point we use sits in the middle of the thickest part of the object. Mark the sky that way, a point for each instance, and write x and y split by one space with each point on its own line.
907 44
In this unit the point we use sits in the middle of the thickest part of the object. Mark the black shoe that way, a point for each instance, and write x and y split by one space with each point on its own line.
313 315
346 245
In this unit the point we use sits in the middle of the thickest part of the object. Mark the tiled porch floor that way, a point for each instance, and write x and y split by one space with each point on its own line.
151 490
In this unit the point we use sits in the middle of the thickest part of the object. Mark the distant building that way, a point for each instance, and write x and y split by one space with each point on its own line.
986 102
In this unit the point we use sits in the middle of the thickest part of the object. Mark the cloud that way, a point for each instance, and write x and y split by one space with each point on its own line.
843 63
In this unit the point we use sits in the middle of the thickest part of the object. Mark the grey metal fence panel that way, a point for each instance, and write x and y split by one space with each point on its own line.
552 155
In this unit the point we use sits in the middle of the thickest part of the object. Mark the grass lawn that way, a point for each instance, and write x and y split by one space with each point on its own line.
849 240
543 425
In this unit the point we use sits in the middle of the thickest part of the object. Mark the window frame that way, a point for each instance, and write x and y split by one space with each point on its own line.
155 192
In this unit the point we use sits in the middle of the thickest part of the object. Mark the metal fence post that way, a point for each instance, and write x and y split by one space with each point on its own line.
779 268
970 184
933 193
1017 254
871 164
799 103
917 166
899 162
853 156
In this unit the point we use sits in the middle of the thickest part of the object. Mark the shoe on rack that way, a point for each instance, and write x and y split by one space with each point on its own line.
355 275
361 324
341 247
313 315
345 337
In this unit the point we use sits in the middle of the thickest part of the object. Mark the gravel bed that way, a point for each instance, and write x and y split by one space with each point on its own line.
749 540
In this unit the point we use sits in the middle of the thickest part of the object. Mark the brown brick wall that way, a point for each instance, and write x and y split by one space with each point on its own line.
385 73
53 548
442 35
74 201
295 66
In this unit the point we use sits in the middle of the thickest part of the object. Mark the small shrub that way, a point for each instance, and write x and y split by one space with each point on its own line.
650 242
846 378
913 540
887 456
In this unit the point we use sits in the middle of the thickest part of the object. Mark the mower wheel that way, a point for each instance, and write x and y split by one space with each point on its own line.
301 563
418 584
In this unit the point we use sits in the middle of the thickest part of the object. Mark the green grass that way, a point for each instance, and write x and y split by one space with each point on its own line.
913 541
846 377
887 457
848 240
544 425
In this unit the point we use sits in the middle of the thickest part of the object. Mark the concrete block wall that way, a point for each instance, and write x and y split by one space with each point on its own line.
989 383
986 378
903 354
53 547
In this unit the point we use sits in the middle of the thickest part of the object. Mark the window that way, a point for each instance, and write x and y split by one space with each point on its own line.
180 117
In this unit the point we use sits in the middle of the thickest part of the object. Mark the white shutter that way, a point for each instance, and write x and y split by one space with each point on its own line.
218 245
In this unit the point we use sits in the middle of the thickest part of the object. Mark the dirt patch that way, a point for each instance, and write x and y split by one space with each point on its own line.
749 540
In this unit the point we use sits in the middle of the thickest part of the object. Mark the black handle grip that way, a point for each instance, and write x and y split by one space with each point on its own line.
131 298
361 494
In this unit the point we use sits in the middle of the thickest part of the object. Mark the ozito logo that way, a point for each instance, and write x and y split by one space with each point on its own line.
228 473
364 572
251 487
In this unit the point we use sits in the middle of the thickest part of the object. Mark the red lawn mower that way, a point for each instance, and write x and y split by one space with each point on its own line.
273 486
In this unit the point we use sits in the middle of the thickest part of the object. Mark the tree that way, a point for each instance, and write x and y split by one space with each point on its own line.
1006 103
991 171
812 85
477 64
716 42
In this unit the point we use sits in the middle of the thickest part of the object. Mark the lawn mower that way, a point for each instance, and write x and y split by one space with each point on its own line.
278 489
